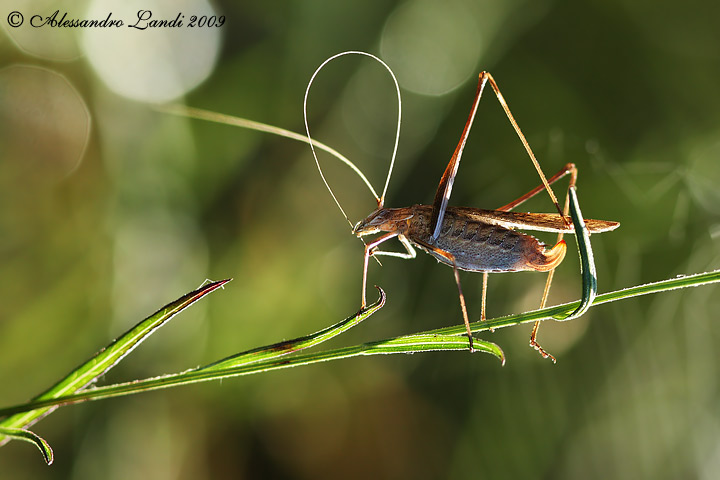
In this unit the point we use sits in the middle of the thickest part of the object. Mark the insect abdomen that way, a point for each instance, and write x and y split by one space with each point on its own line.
481 247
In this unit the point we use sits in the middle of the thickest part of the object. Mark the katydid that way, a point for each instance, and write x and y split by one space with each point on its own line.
473 239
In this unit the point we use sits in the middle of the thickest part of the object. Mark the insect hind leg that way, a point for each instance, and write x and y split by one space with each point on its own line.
533 336
568 169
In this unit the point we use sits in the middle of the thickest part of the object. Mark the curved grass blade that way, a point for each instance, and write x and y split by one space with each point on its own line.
28 436
587 260
290 346
108 357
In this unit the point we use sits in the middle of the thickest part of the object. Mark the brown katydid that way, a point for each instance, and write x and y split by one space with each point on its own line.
473 239
464 238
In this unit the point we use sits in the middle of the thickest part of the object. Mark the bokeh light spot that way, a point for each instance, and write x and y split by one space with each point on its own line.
156 64
58 44
44 124
432 47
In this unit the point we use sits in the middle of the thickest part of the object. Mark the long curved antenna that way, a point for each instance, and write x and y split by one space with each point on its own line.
381 199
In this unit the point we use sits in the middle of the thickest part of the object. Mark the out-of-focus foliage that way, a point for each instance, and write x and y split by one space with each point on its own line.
100 195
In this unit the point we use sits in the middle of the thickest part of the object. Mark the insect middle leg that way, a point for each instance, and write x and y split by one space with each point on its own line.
451 260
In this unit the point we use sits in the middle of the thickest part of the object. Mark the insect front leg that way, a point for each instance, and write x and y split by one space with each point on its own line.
371 251
407 255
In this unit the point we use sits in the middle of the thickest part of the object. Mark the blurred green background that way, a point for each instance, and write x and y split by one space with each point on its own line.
110 209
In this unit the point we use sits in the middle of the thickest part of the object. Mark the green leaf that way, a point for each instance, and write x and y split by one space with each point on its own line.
108 357
28 436
290 346
587 260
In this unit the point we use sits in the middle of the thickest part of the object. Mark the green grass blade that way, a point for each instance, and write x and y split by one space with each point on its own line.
407 344
290 346
28 436
108 357
587 260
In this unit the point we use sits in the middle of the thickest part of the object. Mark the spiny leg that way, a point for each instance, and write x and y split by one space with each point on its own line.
462 304
533 336
451 259
545 185
569 168
483 317
442 194
483 303
501 99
